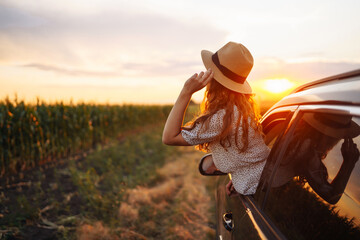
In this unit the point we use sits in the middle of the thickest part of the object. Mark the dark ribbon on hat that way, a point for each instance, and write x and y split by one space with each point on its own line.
227 72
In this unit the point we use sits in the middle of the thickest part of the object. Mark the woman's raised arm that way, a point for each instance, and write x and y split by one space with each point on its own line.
172 130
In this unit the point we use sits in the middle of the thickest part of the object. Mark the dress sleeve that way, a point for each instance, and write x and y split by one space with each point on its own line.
197 135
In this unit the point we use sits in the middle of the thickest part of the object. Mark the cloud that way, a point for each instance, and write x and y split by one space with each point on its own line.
106 39
72 72
129 69
166 68
11 18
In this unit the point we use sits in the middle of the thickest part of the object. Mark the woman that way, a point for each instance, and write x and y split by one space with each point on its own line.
228 125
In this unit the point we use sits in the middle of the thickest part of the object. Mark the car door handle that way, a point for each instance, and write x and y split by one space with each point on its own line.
228 221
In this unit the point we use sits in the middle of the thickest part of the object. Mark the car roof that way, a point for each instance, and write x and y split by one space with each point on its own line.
338 89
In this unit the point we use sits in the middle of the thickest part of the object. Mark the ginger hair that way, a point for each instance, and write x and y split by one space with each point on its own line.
218 97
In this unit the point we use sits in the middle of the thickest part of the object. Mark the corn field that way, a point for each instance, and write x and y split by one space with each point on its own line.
31 135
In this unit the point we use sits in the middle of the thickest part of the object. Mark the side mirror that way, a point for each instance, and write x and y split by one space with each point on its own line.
207 166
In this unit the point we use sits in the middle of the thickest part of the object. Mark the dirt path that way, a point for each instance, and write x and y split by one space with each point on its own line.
176 205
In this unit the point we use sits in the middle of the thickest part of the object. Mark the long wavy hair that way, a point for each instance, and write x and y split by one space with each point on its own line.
218 97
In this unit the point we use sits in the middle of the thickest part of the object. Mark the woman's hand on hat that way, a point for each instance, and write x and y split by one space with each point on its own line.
198 81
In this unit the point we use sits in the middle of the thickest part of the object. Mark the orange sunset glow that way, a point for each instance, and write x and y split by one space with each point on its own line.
270 90
278 85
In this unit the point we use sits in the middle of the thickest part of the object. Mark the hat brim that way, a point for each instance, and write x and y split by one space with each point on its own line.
351 131
223 80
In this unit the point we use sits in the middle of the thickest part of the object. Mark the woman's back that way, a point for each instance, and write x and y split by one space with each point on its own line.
246 165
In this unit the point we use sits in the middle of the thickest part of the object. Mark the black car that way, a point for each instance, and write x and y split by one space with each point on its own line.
310 186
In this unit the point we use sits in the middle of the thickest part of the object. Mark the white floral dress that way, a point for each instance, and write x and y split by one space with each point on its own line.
245 167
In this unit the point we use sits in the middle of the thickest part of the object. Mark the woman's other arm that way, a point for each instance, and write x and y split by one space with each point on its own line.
172 130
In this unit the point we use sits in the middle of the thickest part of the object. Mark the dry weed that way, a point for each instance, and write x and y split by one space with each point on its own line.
143 195
95 232
128 213
131 235
179 232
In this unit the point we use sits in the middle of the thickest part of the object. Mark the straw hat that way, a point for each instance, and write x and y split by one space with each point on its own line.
333 125
231 65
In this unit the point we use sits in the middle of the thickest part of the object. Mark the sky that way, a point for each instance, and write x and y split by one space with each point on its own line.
115 51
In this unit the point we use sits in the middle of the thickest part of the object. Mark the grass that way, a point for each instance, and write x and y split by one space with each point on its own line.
85 190
105 175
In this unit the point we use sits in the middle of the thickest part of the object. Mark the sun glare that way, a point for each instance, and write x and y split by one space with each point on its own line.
278 85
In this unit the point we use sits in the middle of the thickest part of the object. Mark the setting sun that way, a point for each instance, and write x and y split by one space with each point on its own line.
278 85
